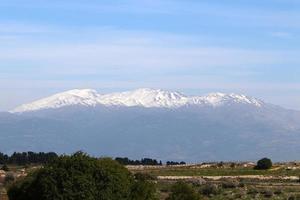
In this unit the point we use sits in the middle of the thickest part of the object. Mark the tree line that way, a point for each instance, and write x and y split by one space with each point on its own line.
145 161
24 158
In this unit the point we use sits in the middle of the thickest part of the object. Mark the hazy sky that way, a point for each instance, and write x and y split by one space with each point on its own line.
191 46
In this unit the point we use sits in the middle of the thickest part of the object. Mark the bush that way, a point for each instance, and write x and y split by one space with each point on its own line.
145 176
9 178
183 191
5 168
263 164
77 177
143 188
230 184
268 193
294 197
253 191
278 191
232 165
209 189
241 184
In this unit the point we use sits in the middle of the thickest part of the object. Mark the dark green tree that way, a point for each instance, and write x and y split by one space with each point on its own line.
143 188
183 191
263 164
76 177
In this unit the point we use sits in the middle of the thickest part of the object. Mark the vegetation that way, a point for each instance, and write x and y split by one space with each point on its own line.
214 190
143 188
209 190
80 177
5 168
238 171
264 164
9 178
175 163
27 158
144 161
183 191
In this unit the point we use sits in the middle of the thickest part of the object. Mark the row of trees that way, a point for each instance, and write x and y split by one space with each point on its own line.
145 161
25 158
175 163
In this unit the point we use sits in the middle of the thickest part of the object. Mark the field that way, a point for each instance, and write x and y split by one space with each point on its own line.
229 181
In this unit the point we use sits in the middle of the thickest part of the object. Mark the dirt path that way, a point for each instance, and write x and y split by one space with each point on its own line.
215 178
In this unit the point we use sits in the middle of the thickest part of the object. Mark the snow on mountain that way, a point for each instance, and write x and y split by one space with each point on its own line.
144 97
218 99
84 97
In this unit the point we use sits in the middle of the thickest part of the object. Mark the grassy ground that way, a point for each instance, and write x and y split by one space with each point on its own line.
239 190
188 171
231 188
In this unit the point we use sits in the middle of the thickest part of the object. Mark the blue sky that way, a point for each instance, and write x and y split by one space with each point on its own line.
196 47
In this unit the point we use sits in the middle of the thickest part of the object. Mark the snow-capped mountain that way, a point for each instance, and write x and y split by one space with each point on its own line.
141 97
153 123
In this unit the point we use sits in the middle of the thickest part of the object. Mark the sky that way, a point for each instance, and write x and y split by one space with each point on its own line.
195 47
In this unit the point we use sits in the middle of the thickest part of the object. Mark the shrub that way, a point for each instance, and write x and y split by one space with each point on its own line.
268 193
294 197
238 195
143 187
232 165
209 189
241 184
263 164
183 191
278 191
5 168
145 176
9 178
253 190
230 184
77 177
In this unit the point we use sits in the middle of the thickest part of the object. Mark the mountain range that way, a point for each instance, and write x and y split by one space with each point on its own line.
153 123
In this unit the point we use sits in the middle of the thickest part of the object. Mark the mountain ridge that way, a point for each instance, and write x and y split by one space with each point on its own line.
143 97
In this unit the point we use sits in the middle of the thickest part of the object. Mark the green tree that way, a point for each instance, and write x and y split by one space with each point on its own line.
143 188
76 177
183 191
264 163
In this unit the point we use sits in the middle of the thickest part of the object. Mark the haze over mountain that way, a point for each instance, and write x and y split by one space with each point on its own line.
153 123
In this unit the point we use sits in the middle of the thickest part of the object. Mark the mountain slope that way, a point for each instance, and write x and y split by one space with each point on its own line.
154 123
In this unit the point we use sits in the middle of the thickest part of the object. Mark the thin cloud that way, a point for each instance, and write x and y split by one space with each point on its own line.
281 34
